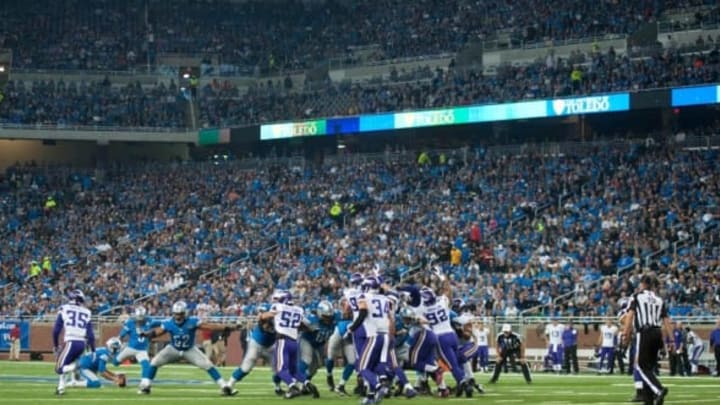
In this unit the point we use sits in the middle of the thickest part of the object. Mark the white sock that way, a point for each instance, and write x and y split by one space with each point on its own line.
231 382
342 382
638 385
408 387
145 382
61 381
220 382
69 368
468 370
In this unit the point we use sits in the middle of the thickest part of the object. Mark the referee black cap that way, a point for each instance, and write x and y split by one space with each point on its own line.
648 280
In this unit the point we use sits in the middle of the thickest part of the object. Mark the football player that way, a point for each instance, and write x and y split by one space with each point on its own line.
436 311
467 350
607 341
182 329
553 337
697 347
137 346
340 346
74 319
370 332
92 364
287 319
316 331
259 345
481 335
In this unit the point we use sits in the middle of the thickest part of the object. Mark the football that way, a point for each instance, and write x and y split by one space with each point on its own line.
121 380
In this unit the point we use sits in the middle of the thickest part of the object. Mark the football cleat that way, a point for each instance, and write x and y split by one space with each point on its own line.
330 382
292 393
480 389
144 391
443 393
368 401
460 389
340 390
410 393
469 389
312 389
381 394
228 391
60 391
279 391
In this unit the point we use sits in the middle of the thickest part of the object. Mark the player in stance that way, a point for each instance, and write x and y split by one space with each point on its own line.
553 336
260 345
181 329
317 329
92 364
398 332
509 344
74 318
287 319
137 346
608 336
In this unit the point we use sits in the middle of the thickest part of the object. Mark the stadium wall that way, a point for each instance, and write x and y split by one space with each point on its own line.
87 153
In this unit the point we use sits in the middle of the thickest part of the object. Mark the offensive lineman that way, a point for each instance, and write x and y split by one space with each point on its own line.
181 329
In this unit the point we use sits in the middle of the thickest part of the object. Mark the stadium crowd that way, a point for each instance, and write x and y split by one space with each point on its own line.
511 233
245 37
223 104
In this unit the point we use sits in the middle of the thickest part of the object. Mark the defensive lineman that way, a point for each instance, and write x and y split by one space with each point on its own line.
181 329
287 319
74 318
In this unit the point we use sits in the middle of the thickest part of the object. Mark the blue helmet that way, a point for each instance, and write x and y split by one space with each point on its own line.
427 295
264 307
370 284
76 296
356 279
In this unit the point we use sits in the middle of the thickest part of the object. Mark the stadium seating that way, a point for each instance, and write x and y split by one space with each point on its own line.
546 230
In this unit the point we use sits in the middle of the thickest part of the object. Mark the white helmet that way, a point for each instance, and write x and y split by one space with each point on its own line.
179 308
140 313
113 344
325 309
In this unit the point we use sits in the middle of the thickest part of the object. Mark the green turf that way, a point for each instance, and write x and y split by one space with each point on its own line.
34 383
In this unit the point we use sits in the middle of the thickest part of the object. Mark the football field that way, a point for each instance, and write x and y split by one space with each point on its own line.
34 383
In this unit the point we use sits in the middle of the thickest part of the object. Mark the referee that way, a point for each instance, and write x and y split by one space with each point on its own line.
648 316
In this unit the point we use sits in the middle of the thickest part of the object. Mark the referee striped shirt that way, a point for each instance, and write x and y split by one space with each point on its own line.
649 310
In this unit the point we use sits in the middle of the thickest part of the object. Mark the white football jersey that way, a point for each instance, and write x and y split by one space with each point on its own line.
75 321
694 340
352 296
377 320
287 319
481 336
437 315
554 333
608 335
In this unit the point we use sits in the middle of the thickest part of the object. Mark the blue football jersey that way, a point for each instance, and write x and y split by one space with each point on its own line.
182 337
96 362
401 332
132 329
320 330
264 338
342 326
